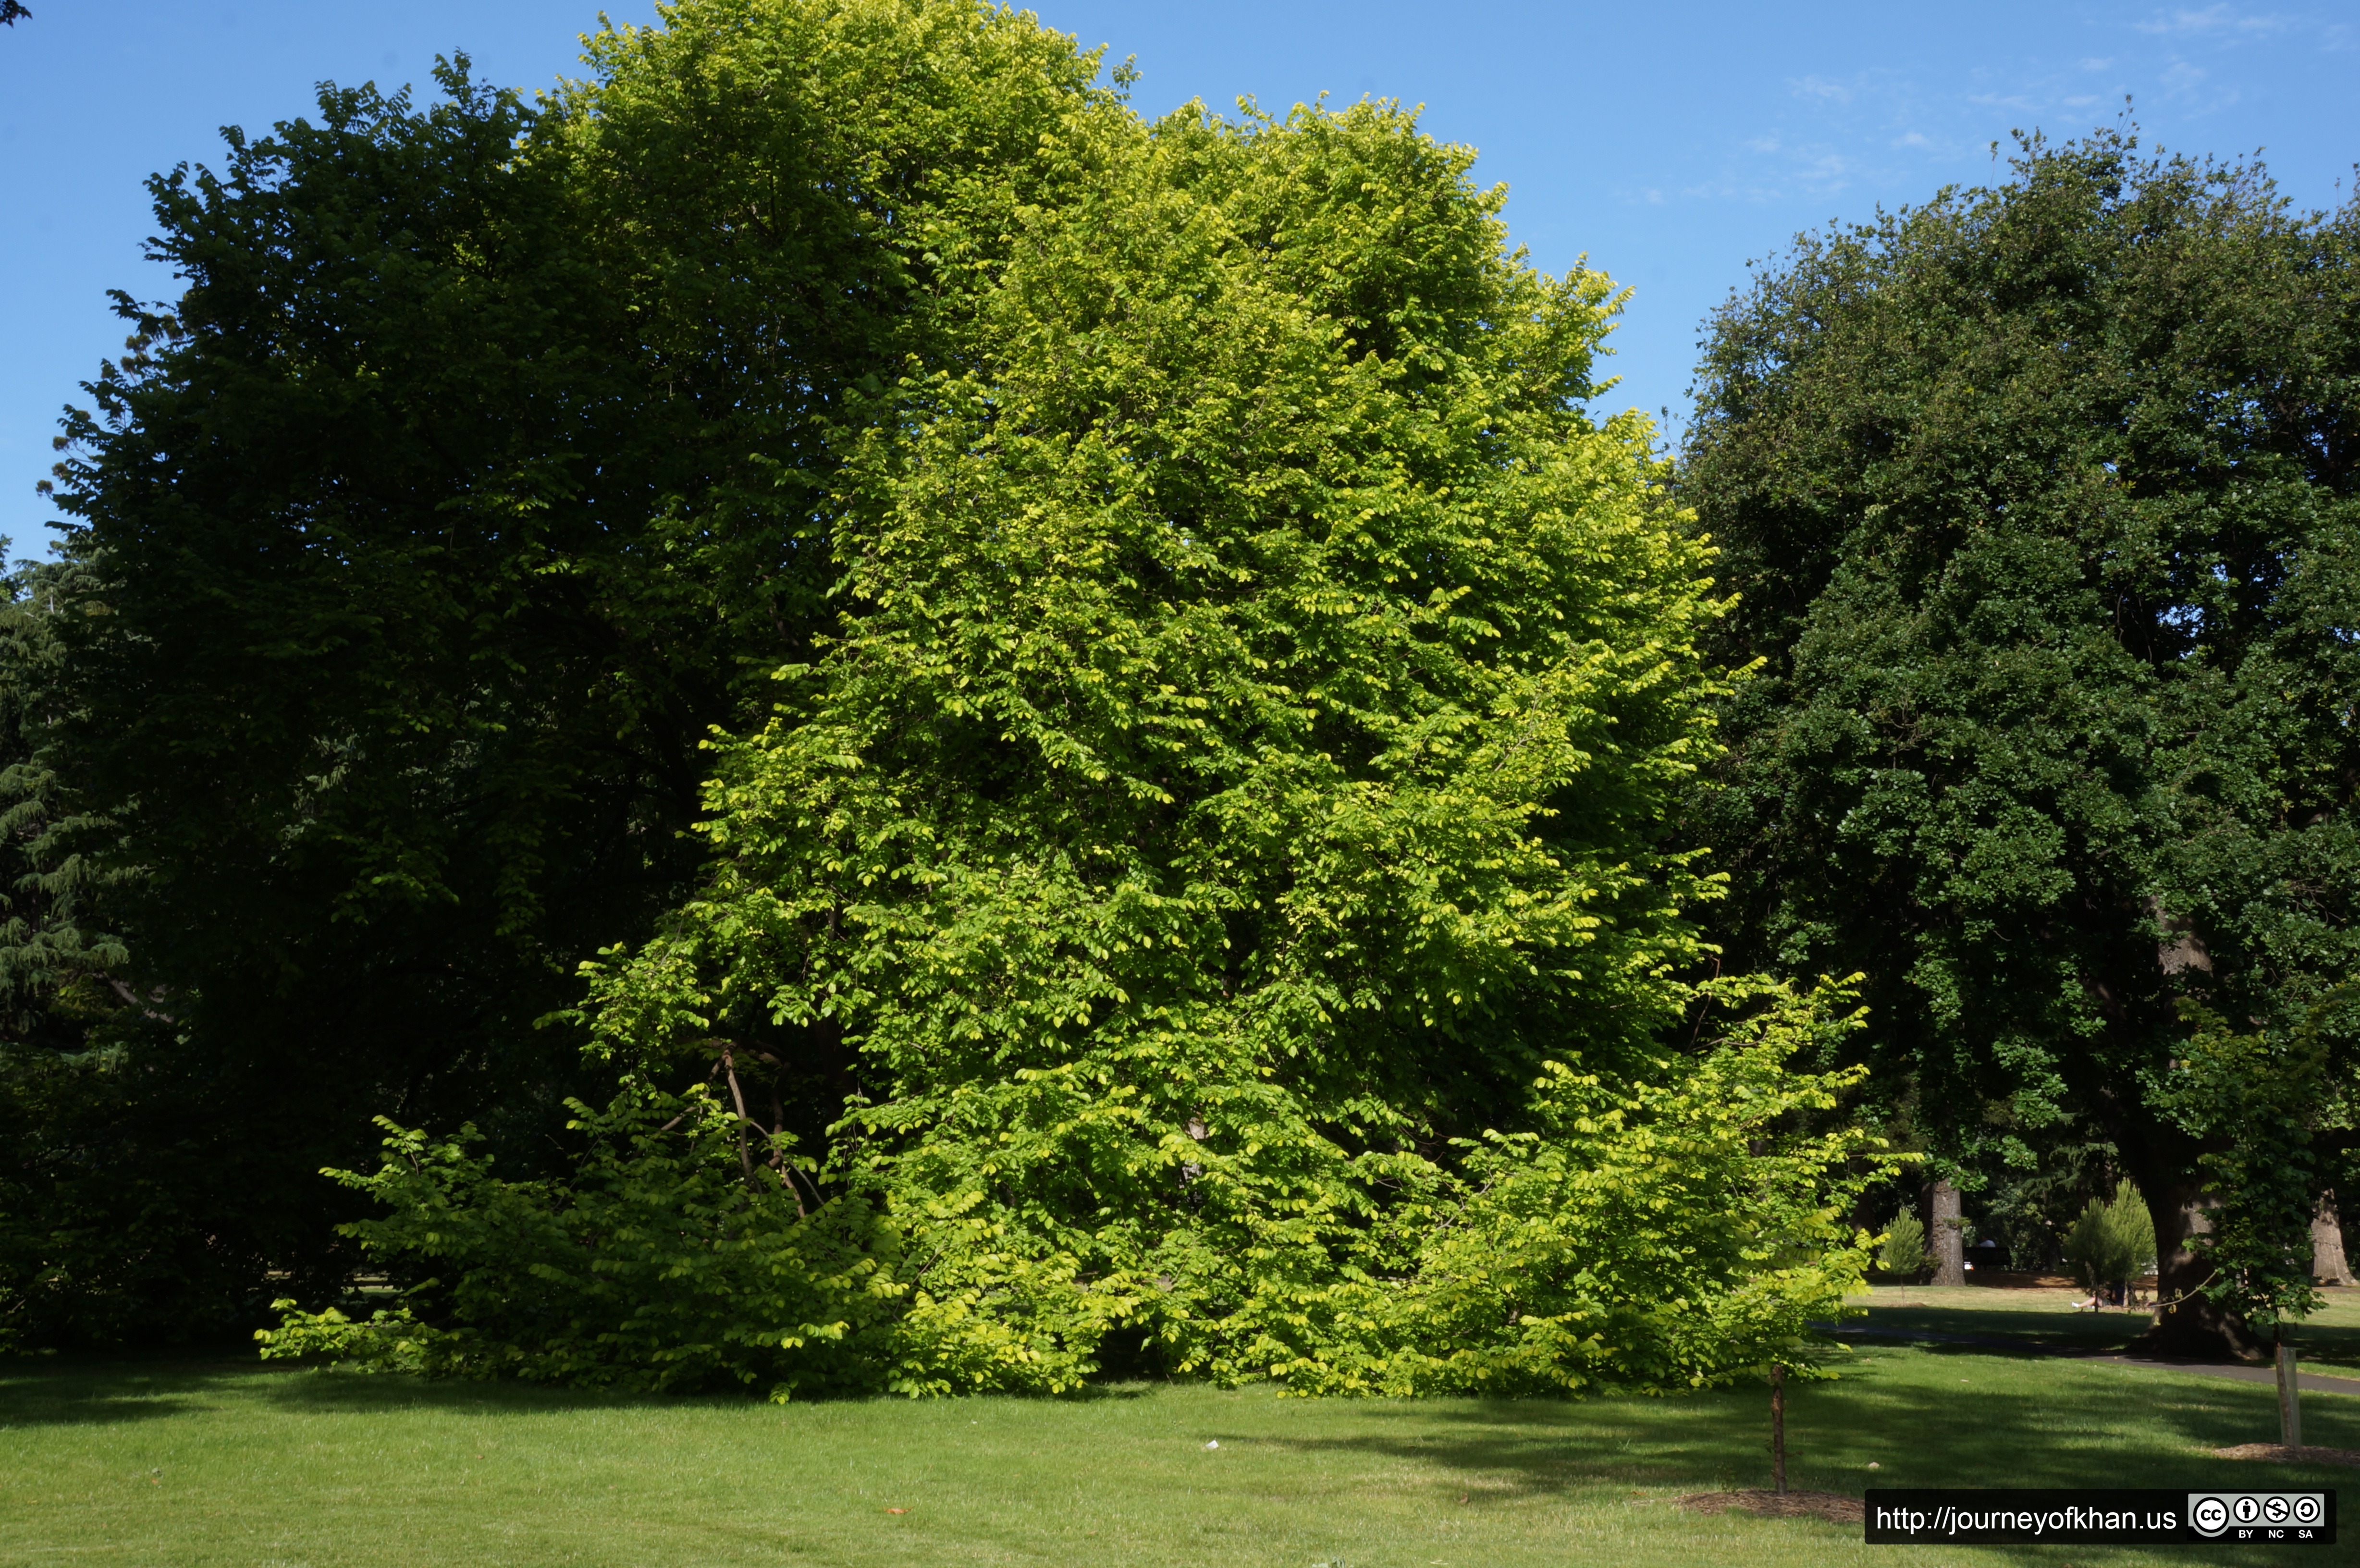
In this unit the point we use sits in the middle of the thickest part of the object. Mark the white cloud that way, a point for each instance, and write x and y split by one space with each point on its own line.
1820 88
2188 85
1731 191
2212 19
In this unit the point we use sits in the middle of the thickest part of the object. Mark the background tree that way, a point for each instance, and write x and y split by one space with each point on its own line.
475 478
2040 501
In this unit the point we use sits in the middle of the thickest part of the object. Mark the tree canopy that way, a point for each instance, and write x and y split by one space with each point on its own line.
2041 504
1212 865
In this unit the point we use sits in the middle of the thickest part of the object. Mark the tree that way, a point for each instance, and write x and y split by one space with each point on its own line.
2111 1243
2040 501
1903 1251
10 10
87 1206
2274 1108
1237 769
479 473
1225 823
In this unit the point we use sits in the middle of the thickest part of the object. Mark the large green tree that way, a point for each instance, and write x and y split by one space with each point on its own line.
2043 504
1226 824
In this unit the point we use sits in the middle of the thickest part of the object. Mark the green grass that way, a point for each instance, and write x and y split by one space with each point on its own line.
155 1463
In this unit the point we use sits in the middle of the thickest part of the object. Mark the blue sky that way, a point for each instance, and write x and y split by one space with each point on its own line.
1670 143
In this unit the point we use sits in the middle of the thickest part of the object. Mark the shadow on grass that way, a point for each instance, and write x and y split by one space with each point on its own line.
330 1389
2053 1332
2119 1427
2338 1346
89 1391
77 1390
2034 1331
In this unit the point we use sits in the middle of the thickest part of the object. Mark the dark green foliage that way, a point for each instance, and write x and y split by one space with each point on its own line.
2041 501
475 478
2027 1207
2274 1112
360 685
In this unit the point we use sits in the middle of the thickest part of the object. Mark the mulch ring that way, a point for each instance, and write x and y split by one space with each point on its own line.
1832 1507
2285 1455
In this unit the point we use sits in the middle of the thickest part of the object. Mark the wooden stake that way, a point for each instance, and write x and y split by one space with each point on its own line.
2289 1395
1778 1427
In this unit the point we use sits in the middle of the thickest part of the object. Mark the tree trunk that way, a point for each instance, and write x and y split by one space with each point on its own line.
2188 1322
1950 1244
2327 1265
1778 1427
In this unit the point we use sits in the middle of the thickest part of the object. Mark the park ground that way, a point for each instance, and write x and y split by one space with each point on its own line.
155 1463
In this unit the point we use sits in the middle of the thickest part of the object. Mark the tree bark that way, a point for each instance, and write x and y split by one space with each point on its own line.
1950 1243
2188 1322
1778 1427
2327 1265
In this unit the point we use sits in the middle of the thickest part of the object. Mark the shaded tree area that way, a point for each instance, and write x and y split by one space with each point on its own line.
2041 504
418 547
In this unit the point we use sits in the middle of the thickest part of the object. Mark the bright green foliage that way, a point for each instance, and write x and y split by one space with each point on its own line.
1677 1230
2111 1243
1904 1251
1237 769
2042 508
653 1267
1673 1232
1234 786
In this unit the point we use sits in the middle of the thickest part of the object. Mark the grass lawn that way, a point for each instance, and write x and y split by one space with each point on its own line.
159 1463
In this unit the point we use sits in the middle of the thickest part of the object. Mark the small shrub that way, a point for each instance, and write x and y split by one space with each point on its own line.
2112 1242
1904 1251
